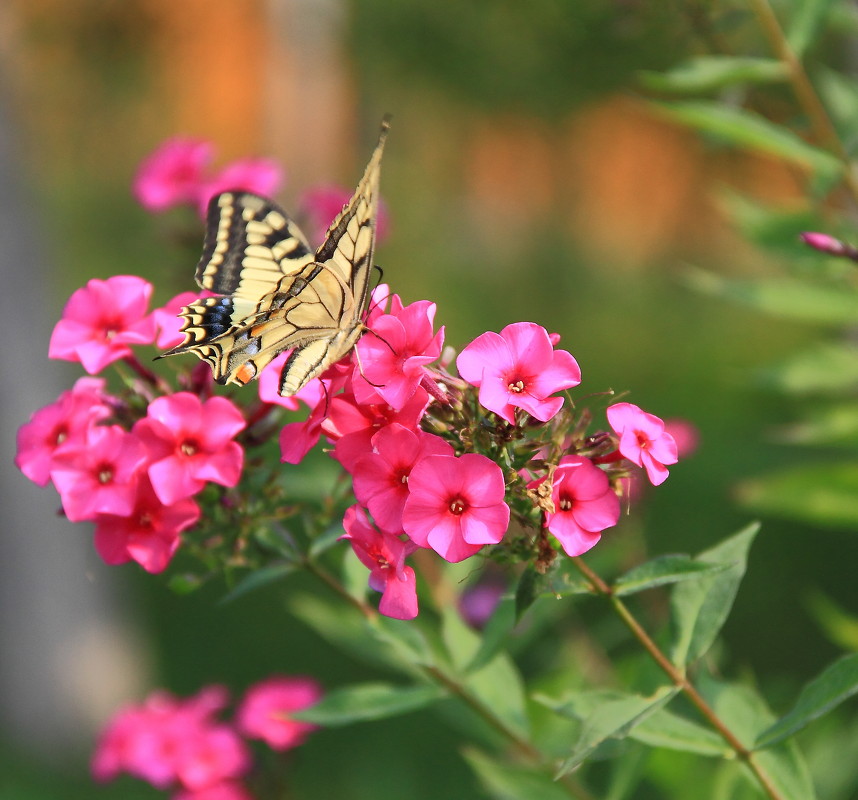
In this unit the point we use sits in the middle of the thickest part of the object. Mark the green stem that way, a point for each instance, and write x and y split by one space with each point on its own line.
679 679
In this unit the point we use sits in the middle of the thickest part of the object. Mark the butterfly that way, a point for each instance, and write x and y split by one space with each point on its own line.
274 293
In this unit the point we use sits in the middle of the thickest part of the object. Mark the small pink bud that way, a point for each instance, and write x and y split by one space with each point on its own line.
828 244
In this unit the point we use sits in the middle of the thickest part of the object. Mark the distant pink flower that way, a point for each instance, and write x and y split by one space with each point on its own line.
518 368
173 174
455 505
685 434
381 477
264 713
101 320
384 555
149 535
584 504
352 425
209 755
321 204
394 352
226 790
477 603
99 476
60 426
643 440
189 443
258 175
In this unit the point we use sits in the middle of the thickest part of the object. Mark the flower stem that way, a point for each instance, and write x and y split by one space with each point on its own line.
679 679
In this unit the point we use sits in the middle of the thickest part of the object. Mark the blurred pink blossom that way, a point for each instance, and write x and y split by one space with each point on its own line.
173 174
264 711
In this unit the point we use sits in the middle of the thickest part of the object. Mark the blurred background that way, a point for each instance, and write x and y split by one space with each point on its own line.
524 180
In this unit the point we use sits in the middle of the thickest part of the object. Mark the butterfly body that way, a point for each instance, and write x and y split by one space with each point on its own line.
274 293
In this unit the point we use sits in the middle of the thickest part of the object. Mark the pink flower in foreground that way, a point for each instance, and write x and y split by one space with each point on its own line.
584 505
258 175
60 426
191 442
384 555
381 478
643 440
321 204
149 534
173 174
100 476
518 368
455 505
264 711
393 354
101 320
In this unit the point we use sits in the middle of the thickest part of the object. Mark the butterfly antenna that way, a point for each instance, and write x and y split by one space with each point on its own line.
360 367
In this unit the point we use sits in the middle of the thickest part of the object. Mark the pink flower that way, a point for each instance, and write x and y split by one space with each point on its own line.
101 320
264 711
455 505
393 354
173 174
208 754
269 386
518 368
258 175
168 322
191 442
829 245
685 434
321 204
381 477
384 555
99 476
149 534
60 426
643 440
584 504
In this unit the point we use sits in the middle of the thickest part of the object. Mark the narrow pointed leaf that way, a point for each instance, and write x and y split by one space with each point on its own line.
663 570
807 20
836 683
259 578
495 634
700 608
708 73
527 591
368 701
505 781
673 732
500 688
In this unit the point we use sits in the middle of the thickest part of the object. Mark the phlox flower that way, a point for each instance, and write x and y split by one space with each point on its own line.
584 504
455 505
264 711
148 535
381 477
394 352
60 426
100 475
190 442
384 555
258 175
518 368
321 204
167 319
172 174
101 320
643 440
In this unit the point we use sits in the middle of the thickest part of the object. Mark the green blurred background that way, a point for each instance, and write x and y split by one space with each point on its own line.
524 181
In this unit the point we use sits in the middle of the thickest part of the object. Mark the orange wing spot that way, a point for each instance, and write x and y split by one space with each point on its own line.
246 373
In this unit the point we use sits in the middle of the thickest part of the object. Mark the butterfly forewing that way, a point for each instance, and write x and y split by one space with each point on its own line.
277 294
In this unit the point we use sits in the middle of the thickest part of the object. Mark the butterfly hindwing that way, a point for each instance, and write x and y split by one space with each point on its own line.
276 294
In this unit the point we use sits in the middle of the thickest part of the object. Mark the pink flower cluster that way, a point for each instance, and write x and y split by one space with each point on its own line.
177 173
182 745
134 481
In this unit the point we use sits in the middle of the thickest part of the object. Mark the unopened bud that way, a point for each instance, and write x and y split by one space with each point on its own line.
828 244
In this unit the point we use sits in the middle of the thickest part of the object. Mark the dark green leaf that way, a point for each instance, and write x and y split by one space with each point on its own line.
404 637
827 367
661 570
527 591
185 583
700 608
820 494
259 578
368 701
506 781
708 73
836 683
325 540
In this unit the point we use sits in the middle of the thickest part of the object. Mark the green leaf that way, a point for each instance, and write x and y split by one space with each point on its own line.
840 96
827 367
805 25
672 732
839 626
835 424
185 583
836 683
527 590
405 638
783 297
699 608
257 579
748 130
613 719
462 642
495 634
709 73
661 570
505 781
368 701
325 540
820 494
499 686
